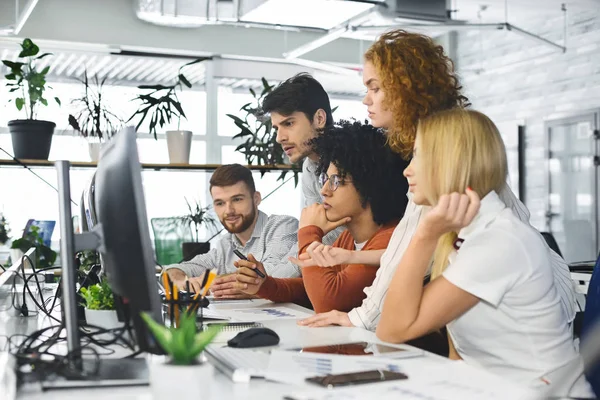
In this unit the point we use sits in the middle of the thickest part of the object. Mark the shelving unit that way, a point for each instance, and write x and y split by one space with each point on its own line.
146 166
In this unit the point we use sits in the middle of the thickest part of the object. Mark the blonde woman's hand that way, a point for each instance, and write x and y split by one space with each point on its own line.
320 255
452 213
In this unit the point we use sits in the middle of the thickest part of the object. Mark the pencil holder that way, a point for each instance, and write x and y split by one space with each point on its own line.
172 309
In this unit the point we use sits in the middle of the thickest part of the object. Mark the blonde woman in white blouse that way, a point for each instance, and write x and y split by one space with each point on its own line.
492 283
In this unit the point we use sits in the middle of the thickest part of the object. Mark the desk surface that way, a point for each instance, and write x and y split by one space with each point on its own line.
222 388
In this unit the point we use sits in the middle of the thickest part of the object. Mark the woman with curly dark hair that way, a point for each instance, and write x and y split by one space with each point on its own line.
363 189
408 78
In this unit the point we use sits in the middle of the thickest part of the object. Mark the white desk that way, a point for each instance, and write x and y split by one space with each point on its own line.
291 335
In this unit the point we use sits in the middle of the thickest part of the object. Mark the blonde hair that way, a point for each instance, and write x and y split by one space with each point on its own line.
459 148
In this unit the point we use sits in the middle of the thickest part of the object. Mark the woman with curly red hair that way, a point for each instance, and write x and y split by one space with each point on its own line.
408 78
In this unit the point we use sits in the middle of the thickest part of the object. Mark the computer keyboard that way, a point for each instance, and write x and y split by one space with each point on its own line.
240 365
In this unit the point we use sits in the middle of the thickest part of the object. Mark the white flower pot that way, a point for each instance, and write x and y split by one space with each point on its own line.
94 150
106 319
169 381
179 144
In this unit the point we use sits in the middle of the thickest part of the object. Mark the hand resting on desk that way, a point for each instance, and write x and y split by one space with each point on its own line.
225 287
327 319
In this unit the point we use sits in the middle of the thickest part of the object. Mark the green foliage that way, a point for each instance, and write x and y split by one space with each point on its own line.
162 102
260 147
45 256
94 118
25 81
200 215
182 344
4 229
98 297
87 259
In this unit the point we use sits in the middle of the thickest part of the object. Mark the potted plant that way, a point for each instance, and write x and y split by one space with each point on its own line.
183 345
99 306
260 146
197 216
94 120
45 256
163 105
31 138
4 230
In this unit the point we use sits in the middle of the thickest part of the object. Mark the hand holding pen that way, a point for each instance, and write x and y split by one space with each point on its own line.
250 275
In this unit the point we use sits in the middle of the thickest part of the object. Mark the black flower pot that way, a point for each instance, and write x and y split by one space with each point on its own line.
192 249
31 139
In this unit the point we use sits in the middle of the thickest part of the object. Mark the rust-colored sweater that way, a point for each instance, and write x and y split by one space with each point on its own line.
328 288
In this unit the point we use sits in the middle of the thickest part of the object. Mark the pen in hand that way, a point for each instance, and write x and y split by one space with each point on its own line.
243 257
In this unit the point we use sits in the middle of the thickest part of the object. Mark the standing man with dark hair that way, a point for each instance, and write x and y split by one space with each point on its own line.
300 109
269 238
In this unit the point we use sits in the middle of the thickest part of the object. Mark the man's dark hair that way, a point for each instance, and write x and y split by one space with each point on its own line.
301 93
229 175
360 152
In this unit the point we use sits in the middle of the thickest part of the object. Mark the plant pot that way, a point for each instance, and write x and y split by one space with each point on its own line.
192 249
168 381
179 144
106 319
31 139
94 150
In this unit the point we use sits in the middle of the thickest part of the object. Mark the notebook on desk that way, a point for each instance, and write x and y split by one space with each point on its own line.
231 329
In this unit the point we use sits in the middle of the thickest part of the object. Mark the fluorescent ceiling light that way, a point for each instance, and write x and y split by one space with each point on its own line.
325 14
325 67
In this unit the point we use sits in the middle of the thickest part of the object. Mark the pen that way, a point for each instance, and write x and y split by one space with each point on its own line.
243 257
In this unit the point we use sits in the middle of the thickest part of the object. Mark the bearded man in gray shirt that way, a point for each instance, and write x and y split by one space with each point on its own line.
268 238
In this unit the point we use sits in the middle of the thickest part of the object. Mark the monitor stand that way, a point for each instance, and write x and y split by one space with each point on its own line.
112 372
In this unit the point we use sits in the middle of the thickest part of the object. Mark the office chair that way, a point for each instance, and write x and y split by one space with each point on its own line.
169 234
549 238
590 317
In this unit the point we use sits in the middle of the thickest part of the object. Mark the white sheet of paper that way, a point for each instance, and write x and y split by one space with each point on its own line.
443 382
262 313
294 367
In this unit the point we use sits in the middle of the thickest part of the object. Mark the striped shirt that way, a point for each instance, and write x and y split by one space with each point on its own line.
271 240
369 313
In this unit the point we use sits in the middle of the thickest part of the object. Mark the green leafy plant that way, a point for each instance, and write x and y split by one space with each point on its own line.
4 229
162 102
94 118
26 81
183 344
87 258
98 296
260 146
45 256
199 215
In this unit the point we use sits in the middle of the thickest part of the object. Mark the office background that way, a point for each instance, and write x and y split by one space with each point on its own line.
525 82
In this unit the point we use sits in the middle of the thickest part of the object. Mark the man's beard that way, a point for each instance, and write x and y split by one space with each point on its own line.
247 220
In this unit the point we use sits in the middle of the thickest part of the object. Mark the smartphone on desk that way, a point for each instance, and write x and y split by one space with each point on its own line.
356 378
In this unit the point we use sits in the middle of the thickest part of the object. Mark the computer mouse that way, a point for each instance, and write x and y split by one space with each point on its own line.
254 337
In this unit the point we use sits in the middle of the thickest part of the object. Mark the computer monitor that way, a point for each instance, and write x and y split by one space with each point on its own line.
122 237
127 254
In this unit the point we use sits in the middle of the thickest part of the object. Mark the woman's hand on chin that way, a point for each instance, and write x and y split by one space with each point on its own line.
451 213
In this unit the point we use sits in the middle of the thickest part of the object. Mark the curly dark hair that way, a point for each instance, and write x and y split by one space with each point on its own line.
418 79
360 151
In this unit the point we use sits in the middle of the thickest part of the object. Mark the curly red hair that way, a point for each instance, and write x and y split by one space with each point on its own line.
417 78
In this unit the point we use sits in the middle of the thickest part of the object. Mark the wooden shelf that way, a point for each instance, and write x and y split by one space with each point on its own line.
152 166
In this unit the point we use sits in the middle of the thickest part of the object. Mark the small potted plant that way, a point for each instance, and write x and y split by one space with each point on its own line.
4 230
183 373
163 105
99 304
197 216
45 256
31 138
94 120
